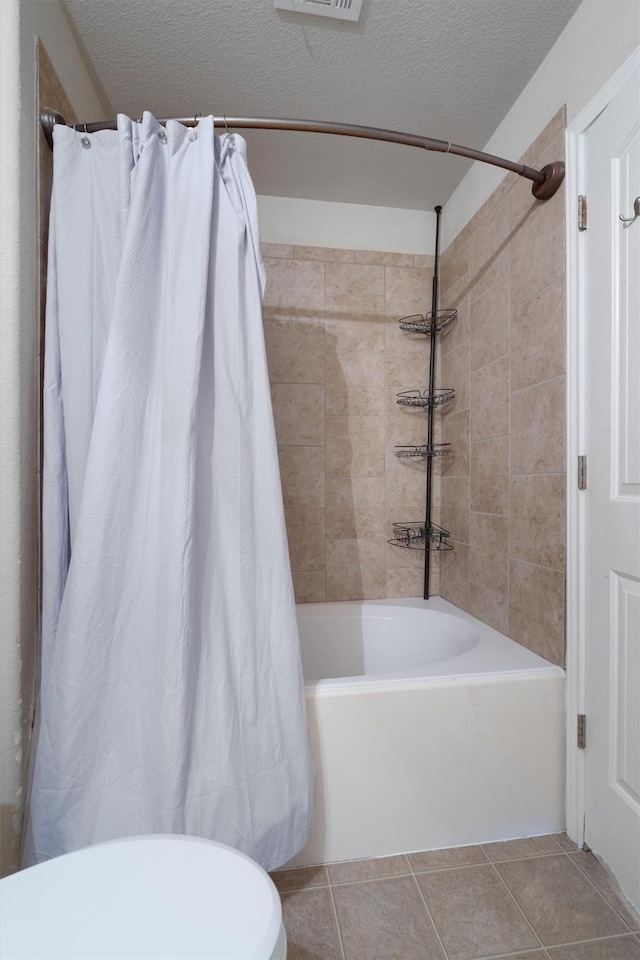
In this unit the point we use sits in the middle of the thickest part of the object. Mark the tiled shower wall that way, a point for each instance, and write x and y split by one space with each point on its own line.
337 358
503 491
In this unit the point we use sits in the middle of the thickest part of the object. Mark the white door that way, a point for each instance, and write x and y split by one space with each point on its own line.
612 288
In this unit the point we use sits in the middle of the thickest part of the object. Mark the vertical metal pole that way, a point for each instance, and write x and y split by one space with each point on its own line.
432 376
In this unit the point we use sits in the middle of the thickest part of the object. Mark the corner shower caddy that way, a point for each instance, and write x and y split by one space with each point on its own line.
427 536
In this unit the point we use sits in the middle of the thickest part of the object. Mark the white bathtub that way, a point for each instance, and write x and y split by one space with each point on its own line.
429 729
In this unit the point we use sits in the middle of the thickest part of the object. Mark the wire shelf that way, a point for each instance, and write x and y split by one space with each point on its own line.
435 450
440 319
425 398
416 536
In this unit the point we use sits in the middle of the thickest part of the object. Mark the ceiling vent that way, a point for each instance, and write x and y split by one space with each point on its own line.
336 9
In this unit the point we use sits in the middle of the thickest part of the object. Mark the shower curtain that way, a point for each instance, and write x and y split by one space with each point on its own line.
171 698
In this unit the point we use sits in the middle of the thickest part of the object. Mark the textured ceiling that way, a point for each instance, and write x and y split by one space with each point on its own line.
443 68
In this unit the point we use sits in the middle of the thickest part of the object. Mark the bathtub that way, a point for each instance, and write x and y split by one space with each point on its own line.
428 728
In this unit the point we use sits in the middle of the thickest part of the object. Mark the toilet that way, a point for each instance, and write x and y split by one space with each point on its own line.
156 897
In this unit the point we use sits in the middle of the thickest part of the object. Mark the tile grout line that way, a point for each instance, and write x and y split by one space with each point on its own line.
529 924
433 923
521 953
335 915
601 894
578 943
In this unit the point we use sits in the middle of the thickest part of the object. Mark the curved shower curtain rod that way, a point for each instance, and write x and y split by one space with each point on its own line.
545 182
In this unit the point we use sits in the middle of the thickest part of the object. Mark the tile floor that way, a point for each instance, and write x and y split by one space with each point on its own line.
532 899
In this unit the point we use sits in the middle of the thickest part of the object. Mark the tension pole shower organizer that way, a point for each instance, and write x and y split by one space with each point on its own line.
425 536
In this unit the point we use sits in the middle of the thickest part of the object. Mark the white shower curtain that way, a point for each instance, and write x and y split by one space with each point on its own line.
171 698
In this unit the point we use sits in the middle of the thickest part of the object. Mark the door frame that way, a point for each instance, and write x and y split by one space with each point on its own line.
576 431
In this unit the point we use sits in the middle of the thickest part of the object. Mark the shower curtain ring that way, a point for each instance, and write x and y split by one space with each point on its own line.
226 125
86 140
195 119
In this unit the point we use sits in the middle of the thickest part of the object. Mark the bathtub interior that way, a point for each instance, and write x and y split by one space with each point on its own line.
367 640
359 642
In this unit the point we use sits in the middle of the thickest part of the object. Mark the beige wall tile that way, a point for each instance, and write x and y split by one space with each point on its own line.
537 337
355 363
325 366
489 606
455 507
309 586
295 288
355 446
495 273
355 507
324 253
536 609
490 476
385 259
489 323
489 250
306 535
455 373
424 261
537 248
404 582
537 428
405 488
537 520
490 400
489 551
454 575
407 291
298 410
277 250
455 298
455 430
295 350
302 470
350 281
406 355
356 569
454 264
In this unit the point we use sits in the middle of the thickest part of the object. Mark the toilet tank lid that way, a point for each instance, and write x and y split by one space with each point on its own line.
156 897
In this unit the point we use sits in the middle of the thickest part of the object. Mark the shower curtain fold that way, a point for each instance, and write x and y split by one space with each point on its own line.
172 698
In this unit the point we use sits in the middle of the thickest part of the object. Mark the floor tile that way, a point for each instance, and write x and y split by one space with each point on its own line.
620 948
607 886
567 845
474 914
310 923
524 847
559 901
352 870
442 859
300 878
385 920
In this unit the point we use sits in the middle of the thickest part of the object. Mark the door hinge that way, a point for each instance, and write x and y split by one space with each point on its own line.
582 212
582 731
582 473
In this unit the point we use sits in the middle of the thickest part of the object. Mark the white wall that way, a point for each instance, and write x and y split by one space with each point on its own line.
600 36
21 23
319 223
